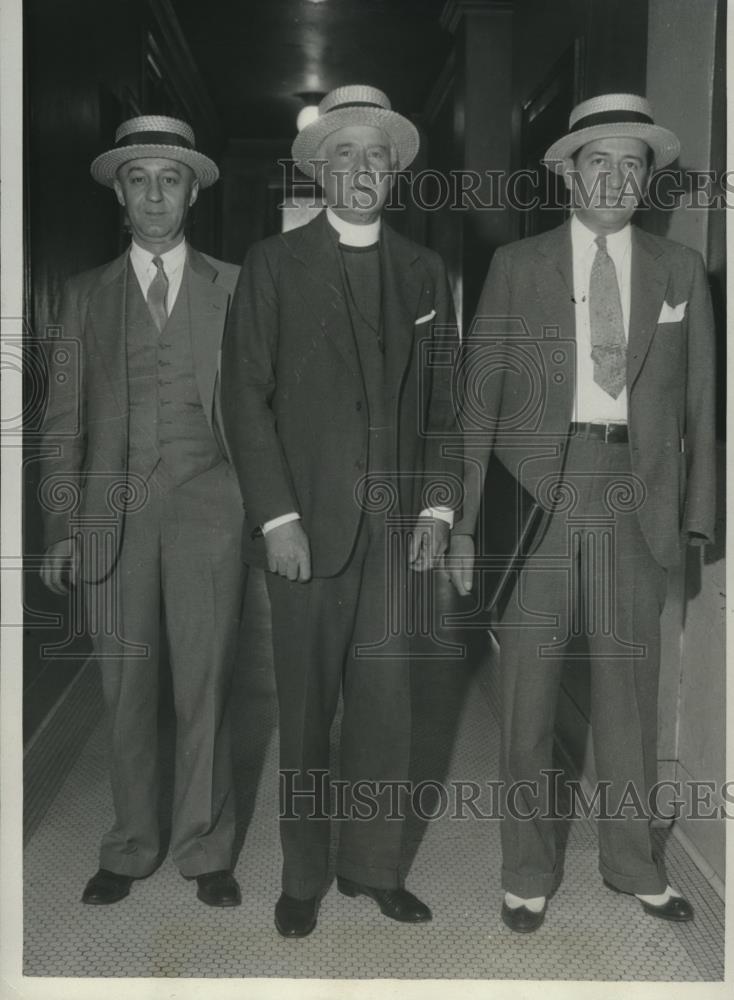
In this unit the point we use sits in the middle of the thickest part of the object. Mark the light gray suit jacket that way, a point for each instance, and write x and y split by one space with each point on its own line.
85 435
520 373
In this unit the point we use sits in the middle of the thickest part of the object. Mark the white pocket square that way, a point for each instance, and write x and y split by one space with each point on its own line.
424 319
672 314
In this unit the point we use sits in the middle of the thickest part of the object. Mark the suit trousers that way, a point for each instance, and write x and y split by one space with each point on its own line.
590 578
179 570
318 629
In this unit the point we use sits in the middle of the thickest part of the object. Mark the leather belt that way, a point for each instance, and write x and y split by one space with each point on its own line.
608 433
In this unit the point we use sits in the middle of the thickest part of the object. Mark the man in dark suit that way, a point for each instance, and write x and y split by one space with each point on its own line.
133 438
590 376
331 407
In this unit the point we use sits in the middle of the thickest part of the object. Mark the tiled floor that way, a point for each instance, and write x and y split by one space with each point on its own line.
161 930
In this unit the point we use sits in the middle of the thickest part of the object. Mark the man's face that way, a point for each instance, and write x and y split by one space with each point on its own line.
157 194
357 174
606 181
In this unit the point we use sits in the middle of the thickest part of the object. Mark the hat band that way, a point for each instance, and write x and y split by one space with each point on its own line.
612 118
357 104
153 139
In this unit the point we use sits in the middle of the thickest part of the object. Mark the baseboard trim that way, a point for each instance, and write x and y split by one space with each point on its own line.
55 746
713 879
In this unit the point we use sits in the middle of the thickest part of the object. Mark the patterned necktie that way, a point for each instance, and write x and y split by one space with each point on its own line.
157 293
608 344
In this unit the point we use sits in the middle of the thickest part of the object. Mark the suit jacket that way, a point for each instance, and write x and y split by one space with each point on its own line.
293 397
85 436
521 365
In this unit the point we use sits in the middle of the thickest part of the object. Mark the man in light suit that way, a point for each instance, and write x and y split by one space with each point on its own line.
590 376
331 407
133 435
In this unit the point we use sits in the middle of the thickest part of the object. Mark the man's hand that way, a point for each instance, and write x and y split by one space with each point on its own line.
460 563
60 567
427 543
288 551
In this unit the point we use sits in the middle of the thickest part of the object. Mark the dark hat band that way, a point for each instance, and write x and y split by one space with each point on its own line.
612 118
357 104
153 139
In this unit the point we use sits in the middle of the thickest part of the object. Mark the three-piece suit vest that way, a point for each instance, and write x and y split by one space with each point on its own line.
168 428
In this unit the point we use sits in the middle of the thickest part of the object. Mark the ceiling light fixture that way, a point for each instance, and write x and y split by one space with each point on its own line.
307 115
310 110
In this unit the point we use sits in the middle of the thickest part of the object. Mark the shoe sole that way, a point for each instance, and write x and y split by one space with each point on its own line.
649 909
294 934
353 893
224 902
103 902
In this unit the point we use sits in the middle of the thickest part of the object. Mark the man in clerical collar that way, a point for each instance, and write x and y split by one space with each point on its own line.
150 544
597 396
336 420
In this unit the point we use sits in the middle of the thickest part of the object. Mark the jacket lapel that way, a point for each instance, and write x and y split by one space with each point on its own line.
554 283
106 322
402 287
649 281
320 286
555 247
207 303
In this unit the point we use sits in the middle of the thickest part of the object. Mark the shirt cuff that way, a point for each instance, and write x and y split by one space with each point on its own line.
277 521
440 514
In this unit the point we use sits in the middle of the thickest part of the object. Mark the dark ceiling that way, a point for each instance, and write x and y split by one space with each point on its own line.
257 56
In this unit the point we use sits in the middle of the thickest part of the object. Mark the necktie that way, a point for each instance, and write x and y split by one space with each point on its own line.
608 345
157 293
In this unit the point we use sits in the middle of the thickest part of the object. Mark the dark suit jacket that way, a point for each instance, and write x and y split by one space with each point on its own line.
521 364
86 426
293 398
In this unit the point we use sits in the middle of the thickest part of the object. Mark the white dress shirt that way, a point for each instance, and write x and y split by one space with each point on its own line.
173 265
352 235
592 403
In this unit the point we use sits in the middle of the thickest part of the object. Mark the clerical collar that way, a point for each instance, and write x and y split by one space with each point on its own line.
351 235
172 258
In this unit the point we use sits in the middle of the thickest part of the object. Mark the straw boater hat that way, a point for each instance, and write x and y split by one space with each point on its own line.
154 136
356 104
613 116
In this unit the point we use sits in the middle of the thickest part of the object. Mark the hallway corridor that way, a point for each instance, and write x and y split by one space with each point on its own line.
161 930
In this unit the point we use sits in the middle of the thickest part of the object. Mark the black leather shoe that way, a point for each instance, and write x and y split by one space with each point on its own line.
295 917
521 919
106 887
218 889
398 904
677 907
